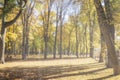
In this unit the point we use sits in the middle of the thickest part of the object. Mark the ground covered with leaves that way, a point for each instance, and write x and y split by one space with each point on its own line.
58 69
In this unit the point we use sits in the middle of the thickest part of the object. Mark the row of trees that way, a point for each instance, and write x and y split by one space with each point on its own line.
60 27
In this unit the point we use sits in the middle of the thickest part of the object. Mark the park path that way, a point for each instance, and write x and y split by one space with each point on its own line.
48 62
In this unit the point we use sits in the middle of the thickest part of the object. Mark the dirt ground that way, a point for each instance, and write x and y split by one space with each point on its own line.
59 69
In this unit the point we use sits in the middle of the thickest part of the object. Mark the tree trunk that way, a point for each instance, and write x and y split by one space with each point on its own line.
105 28
77 41
61 41
91 31
86 47
68 51
23 44
45 49
91 39
14 43
61 25
91 45
102 48
14 48
3 34
54 50
46 27
27 39
2 46
56 31
108 63
111 25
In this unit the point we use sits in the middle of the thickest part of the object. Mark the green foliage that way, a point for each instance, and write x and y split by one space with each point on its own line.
79 18
11 4
11 36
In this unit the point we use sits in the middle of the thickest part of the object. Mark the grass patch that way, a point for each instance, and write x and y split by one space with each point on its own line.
58 69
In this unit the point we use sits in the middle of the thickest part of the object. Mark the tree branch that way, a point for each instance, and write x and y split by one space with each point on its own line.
6 24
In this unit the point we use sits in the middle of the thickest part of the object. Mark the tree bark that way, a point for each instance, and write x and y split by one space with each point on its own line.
61 41
46 49
61 25
111 26
105 28
68 50
69 43
102 48
76 40
91 37
23 44
56 31
86 46
2 46
46 23
91 30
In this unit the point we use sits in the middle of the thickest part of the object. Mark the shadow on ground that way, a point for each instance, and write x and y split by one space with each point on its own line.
50 72
41 59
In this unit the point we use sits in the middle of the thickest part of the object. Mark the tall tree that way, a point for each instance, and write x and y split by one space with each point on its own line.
26 28
56 30
46 13
63 7
61 25
7 6
91 26
105 25
109 17
76 18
